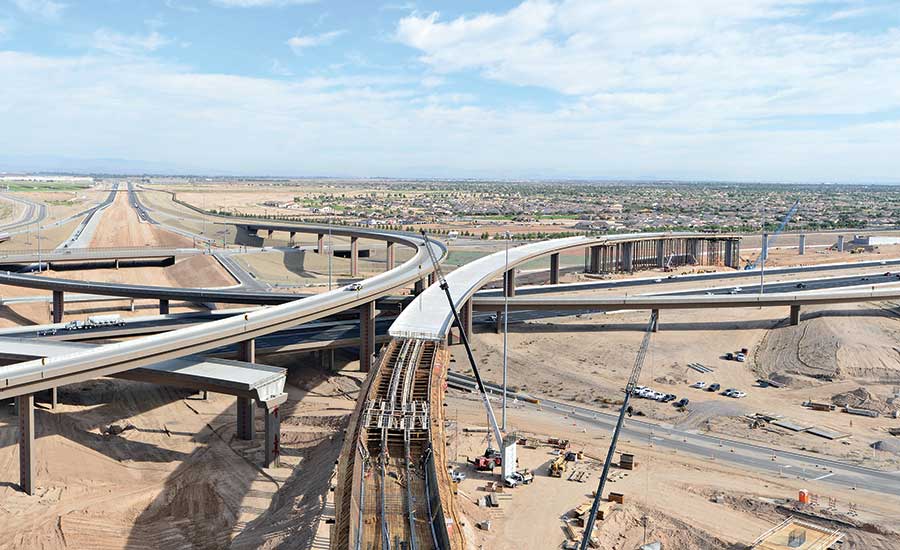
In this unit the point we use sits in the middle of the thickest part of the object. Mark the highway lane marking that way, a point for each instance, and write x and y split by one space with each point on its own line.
823 476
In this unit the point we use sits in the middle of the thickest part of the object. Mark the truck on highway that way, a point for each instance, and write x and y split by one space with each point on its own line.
95 321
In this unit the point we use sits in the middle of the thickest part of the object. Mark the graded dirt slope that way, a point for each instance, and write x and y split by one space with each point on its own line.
120 225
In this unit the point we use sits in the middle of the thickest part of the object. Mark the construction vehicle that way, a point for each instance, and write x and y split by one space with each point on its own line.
506 456
558 466
629 389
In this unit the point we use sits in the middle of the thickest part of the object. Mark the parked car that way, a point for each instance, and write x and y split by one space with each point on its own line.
738 394
728 392
713 387
740 357
683 402
699 385
670 397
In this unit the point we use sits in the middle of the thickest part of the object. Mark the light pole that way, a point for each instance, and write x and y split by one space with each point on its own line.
505 326
330 253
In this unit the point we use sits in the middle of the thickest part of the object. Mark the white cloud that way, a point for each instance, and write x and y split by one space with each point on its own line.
138 108
301 42
128 44
709 61
41 8
261 3
279 69
5 29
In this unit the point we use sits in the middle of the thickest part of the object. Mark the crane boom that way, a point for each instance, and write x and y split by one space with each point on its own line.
629 388
495 428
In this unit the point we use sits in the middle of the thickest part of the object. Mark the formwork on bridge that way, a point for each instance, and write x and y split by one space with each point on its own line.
653 253
388 494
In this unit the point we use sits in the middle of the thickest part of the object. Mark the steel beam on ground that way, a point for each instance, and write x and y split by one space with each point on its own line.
163 307
554 269
25 404
58 306
509 282
366 336
795 315
246 426
354 256
390 256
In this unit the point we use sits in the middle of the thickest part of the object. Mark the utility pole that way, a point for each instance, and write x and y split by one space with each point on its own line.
505 331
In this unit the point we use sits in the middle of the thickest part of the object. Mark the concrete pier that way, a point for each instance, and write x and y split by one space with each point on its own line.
554 269
58 306
465 316
801 249
25 405
366 336
795 315
509 282
163 307
390 256
246 426
840 243
320 244
354 257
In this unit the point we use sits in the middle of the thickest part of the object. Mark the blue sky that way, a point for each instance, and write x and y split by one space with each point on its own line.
763 90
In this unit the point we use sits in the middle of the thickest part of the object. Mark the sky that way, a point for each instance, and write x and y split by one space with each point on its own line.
755 90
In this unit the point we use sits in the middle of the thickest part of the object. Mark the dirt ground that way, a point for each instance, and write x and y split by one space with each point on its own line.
688 502
176 477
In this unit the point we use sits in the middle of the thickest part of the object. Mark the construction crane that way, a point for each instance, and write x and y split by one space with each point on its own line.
629 389
761 259
507 468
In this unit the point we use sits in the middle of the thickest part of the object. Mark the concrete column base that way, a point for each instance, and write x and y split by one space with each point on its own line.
246 426
655 313
795 315
273 438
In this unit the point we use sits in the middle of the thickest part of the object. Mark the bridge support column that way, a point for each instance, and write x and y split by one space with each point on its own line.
419 287
326 356
54 398
320 247
554 269
58 305
390 256
840 243
366 336
509 283
291 237
25 404
163 307
354 257
273 437
801 249
795 315
466 318
498 323
117 263
432 278
660 253
764 253
594 264
628 257
245 421
655 313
